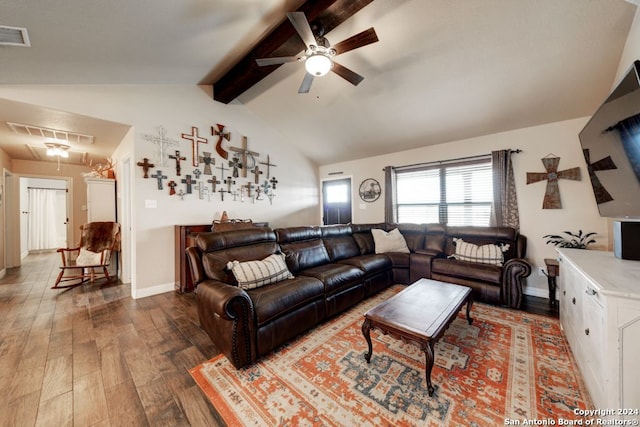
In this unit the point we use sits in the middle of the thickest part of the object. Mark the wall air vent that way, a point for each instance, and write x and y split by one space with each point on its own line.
42 132
14 36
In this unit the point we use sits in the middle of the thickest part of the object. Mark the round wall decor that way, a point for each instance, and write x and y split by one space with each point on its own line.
370 190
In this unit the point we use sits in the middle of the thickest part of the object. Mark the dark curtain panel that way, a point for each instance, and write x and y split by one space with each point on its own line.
390 214
505 203
630 132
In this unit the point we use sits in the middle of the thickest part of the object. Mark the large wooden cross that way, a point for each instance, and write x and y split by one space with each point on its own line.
195 141
552 193
604 164
248 156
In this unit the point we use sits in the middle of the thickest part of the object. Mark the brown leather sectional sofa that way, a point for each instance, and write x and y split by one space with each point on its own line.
335 267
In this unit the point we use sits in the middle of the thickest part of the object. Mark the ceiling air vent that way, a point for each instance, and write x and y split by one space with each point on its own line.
14 36
43 132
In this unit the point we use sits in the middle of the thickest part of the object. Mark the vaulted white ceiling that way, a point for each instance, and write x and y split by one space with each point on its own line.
443 70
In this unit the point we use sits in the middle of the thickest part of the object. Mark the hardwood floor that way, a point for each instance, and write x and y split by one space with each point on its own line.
93 356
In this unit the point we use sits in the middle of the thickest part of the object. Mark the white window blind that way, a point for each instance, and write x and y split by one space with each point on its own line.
453 194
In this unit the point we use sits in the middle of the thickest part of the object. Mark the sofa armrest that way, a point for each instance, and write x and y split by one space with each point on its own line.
226 313
420 264
513 273
194 255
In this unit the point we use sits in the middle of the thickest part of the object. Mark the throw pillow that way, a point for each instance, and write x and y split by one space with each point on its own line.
253 274
484 254
87 257
393 241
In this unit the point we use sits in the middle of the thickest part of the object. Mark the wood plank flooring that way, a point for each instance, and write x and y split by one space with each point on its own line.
93 356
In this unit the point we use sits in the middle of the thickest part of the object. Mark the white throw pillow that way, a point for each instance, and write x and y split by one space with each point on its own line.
393 241
485 254
87 257
253 274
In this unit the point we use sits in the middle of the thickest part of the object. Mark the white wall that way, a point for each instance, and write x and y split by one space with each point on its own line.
178 108
631 50
579 208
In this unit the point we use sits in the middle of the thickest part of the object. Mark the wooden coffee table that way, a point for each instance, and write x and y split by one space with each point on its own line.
421 313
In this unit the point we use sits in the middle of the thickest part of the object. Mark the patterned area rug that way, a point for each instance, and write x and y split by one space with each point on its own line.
506 365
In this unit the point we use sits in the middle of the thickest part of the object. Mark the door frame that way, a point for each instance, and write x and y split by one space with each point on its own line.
337 178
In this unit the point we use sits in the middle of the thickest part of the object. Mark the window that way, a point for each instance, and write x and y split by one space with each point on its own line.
452 193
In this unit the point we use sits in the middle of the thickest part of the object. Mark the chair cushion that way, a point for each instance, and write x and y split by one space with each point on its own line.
392 241
370 264
88 257
335 276
253 274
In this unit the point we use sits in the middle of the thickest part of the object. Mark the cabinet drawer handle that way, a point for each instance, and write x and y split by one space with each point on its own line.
586 331
590 291
573 300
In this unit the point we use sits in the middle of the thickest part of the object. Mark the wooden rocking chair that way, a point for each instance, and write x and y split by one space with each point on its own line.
90 259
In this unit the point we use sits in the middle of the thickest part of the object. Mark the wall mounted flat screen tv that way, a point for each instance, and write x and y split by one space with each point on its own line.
611 147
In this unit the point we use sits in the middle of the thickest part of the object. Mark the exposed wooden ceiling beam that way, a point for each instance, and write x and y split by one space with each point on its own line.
282 41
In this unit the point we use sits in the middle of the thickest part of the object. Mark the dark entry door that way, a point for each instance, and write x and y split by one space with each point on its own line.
336 201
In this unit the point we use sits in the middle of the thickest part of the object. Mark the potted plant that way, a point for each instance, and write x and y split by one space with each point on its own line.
577 240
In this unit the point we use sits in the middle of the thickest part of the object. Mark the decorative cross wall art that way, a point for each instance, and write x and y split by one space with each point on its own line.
552 175
188 182
236 165
221 134
162 142
604 164
172 187
159 177
145 165
269 165
208 161
177 158
248 156
196 140
213 181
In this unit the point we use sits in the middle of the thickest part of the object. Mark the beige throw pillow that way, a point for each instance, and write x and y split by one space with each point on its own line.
485 254
87 257
253 274
393 241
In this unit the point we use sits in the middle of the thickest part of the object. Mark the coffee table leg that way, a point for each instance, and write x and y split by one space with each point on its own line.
428 352
469 304
366 328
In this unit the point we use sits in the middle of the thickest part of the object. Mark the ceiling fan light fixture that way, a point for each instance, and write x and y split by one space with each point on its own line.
57 149
318 64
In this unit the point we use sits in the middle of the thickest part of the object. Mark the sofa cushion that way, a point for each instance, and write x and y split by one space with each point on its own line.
339 242
391 241
335 276
484 254
468 270
273 301
253 274
414 235
370 264
306 254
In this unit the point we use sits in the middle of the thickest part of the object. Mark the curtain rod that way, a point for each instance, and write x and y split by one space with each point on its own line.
46 188
440 162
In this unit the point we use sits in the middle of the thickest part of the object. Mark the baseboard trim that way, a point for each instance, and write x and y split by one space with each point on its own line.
536 292
152 290
3 272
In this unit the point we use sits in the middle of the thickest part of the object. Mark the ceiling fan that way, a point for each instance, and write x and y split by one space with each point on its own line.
319 54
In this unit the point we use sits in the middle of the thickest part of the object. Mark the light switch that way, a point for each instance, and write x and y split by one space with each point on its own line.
150 204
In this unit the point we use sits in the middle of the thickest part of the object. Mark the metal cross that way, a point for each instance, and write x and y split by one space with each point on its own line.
271 196
268 164
213 181
162 143
172 187
229 183
145 167
222 169
202 190
234 193
258 193
257 172
177 158
195 140
181 194
236 164
221 134
208 161
159 177
248 156
266 187
197 173
188 181
222 191
273 181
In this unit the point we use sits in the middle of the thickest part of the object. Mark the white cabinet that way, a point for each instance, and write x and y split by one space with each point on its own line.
101 199
600 317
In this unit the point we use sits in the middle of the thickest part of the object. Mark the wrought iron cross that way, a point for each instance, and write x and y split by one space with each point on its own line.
195 141
248 156
229 183
161 142
236 164
145 165
273 181
221 134
552 175
222 169
177 158
188 182
222 191
268 164
601 193
159 177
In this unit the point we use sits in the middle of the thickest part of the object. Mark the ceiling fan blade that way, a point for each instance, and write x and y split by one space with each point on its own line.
350 76
361 39
276 60
306 83
300 23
